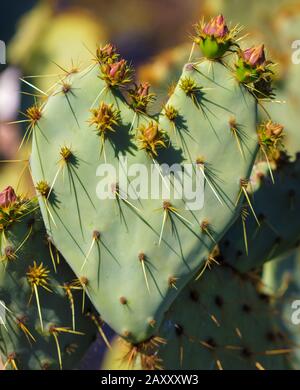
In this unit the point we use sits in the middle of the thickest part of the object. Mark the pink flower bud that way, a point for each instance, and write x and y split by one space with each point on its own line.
7 197
150 133
109 49
274 129
143 89
255 55
117 67
216 27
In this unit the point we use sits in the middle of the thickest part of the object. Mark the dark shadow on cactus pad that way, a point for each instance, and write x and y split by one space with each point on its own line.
122 142
170 156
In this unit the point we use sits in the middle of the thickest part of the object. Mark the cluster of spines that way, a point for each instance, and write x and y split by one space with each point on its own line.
16 210
206 301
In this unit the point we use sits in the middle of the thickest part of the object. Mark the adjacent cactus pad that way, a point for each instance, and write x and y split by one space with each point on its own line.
274 188
134 256
225 308
248 245
44 327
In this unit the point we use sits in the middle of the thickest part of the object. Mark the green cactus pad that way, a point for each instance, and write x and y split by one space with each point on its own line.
277 206
136 256
225 321
28 338
225 307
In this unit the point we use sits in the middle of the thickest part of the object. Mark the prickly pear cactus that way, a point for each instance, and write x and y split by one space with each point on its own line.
41 324
220 322
275 183
258 18
133 257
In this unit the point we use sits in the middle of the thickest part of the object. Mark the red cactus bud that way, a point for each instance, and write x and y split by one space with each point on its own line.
7 197
274 129
255 55
216 27
143 89
117 67
109 49
150 133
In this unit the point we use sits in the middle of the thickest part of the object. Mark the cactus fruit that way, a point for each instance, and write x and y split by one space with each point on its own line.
44 327
132 252
225 307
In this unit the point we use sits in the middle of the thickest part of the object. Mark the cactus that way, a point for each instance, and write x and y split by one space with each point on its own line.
44 327
225 307
118 246
258 18
246 245
137 258
276 205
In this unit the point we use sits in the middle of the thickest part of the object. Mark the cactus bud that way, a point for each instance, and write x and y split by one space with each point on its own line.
7 197
274 129
252 67
109 50
270 136
117 73
117 67
214 37
255 56
151 138
216 27
143 89
150 133
106 54
141 97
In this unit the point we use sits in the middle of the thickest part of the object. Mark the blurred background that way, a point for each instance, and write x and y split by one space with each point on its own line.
43 37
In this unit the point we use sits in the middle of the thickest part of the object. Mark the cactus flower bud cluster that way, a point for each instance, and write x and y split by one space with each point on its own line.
214 37
141 97
254 56
253 68
270 137
7 197
106 54
116 73
216 27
